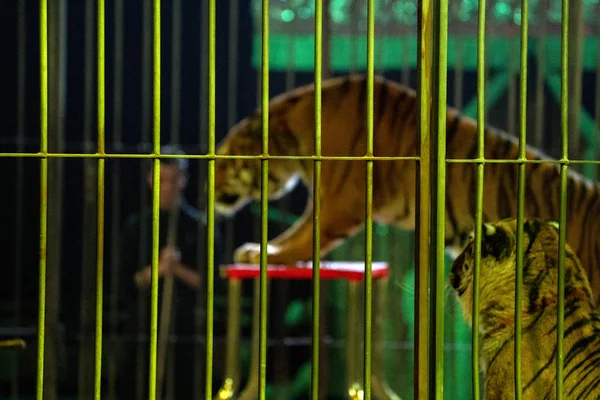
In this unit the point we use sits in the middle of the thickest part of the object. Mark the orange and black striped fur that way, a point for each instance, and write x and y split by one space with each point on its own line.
291 133
497 271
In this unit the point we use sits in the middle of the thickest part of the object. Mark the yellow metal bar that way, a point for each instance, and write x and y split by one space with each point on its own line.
423 228
222 157
43 194
13 343
115 206
100 201
479 193
210 210
440 49
369 199
317 201
564 125
155 204
264 198
521 196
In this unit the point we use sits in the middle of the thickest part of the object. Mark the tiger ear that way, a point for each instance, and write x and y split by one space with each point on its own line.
553 224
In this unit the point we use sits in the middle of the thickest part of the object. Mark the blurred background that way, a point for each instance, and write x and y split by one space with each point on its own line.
72 198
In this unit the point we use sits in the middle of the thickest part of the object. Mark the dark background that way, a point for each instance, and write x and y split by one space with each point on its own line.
191 132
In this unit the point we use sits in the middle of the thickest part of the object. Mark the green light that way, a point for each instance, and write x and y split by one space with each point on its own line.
287 15
517 16
304 13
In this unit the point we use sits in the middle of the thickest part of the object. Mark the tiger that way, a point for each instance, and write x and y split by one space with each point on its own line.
497 271
291 128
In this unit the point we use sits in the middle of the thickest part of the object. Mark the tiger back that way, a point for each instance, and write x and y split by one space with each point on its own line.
395 134
581 346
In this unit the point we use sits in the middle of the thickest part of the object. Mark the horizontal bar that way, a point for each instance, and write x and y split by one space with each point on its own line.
272 157
207 157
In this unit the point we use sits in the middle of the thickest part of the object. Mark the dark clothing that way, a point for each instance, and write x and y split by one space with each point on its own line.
135 304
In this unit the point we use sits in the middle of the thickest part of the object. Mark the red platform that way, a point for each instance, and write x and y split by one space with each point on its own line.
351 271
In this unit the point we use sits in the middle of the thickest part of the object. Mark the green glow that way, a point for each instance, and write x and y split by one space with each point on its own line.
304 13
404 12
287 15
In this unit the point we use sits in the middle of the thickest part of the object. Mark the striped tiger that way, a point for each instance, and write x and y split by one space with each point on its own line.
581 345
342 192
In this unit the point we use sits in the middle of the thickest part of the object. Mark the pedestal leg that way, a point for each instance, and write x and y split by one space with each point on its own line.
250 392
380 388
232 370
355 391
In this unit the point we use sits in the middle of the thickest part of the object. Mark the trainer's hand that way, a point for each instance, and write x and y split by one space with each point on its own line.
168 262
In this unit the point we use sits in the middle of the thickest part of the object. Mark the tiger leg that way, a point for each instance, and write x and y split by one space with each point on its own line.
297 244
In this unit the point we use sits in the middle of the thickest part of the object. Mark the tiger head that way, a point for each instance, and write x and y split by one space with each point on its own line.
498 270
238 180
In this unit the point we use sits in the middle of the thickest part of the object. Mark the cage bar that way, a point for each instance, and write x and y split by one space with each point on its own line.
165 348
155 199
143 303
438 152
423 227
316 278
43 196
481 72
597 112
200 351
56 113
232 95
89 215
210 238
115 233
575 69
175 69
368 288
19 195
538 134
100 200
264 205
562 234
521 195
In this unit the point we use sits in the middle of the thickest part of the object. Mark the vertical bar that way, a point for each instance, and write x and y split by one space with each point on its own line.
155 201
423 231
142 299
175 70
89 242
232 77
100 201
317 201
43 194
115 197
354 31
440 63
459 73
369 197
166 311
541 72
202 198
597 113
210 238
56 114
21 95
264 206
512 96
479 195
521 193
326 40
575 69
564 125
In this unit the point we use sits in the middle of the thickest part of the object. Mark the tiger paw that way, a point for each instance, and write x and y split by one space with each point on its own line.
249 253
